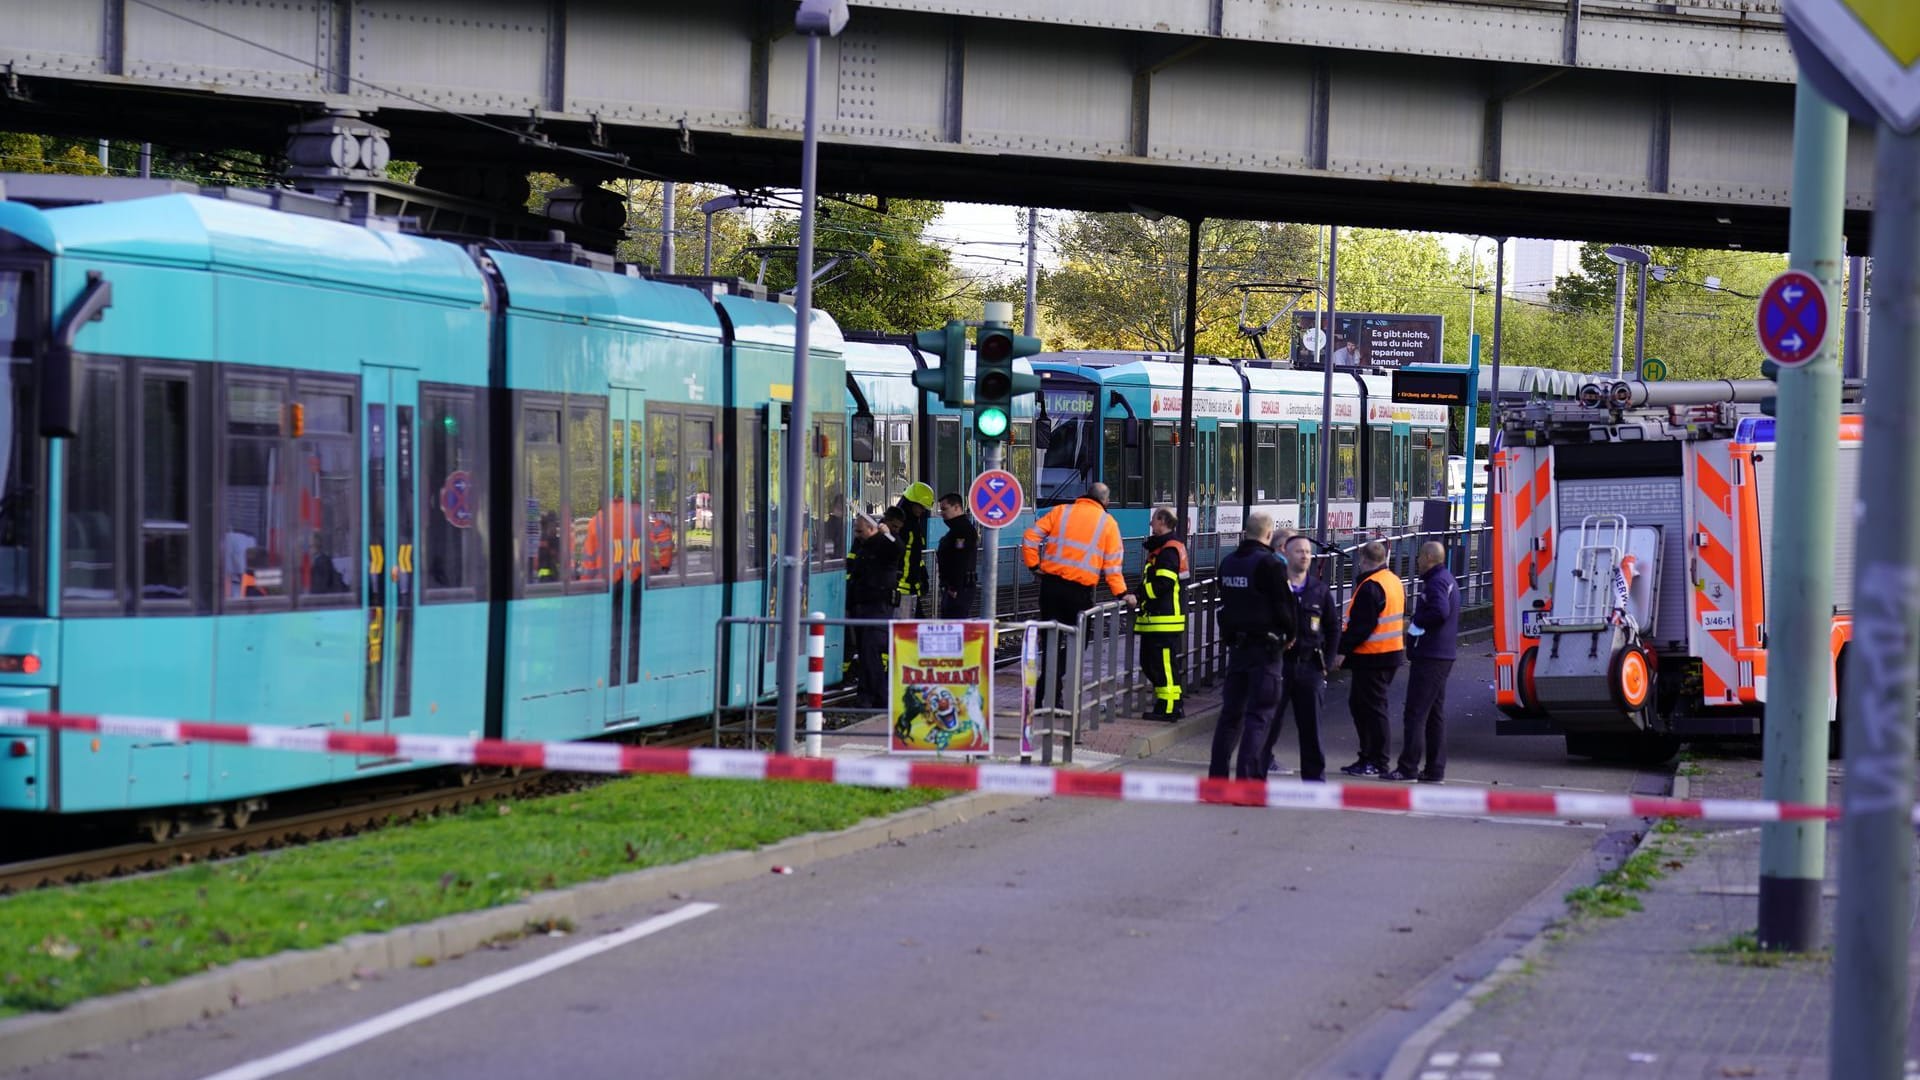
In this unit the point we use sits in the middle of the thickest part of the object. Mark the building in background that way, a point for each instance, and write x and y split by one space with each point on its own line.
1537 264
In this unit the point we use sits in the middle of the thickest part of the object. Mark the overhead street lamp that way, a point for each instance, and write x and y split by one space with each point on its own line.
1622 256
714 206
816 19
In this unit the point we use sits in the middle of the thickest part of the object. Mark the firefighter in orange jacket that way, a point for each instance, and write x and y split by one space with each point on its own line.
1372 647
1072 548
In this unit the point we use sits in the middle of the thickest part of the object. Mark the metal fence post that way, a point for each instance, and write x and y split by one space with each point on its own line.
1073 705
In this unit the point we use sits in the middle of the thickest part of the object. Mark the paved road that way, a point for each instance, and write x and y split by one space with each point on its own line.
1063 938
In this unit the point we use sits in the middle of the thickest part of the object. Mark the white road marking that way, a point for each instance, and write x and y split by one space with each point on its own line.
328 1045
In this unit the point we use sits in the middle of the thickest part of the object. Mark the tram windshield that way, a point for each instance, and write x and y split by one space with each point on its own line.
19 444
1072 455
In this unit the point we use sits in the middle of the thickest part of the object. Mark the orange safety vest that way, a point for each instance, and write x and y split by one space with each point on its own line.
1079 542
1185 570
625 523
1390 634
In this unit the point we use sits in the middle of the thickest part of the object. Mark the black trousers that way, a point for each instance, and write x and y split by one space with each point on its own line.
1368 700
1061 601
870 659
1303 686
1164 667
958 603
1424 724
1247 705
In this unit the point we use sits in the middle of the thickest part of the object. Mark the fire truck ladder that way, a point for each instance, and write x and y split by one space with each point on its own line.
1602 543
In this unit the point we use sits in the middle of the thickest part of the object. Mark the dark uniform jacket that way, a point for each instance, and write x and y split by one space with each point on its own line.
912 579
1438 617
1319 622
1161 605
873 569
959 554
1369 602
1256 601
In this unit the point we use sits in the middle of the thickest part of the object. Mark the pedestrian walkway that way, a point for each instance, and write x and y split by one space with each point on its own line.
1674 991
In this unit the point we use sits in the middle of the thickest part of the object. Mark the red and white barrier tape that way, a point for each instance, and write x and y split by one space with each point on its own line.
891 772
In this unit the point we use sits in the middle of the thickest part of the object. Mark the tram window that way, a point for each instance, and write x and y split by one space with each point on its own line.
1266 464
1019 455
664 566
586 444
166 532
93 482
1346 464
326 464
1437 468
1112 446
1229 460
1419 476
254 497
454 491
746 466
545 554
697 515
1160 476
1287 451
946 460
1380 463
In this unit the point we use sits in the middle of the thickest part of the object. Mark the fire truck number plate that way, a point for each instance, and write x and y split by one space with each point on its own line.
1716 620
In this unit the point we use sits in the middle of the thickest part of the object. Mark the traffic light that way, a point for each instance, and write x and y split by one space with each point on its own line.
1770 405
948 378
995 383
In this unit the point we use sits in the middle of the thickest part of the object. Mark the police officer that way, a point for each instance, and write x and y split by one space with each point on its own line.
1071 548
959 559
1304 672
1162 621
1371 648
1432 645
872 569
1258 618
914 506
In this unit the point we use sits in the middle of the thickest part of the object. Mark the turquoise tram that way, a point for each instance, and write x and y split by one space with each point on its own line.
266 465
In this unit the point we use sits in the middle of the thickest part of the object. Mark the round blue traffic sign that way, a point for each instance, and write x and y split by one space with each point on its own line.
995 498
1792 318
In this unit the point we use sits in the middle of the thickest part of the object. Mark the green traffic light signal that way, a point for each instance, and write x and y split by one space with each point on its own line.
990 422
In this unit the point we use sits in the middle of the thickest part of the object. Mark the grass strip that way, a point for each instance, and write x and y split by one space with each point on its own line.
68 944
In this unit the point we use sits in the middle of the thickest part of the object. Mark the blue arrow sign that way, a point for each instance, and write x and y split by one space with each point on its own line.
1792 319
995 498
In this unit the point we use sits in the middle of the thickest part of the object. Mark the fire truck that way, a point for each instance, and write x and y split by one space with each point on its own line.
1631 534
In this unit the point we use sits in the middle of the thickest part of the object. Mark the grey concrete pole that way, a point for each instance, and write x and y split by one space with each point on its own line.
793 550
1854 362
1876 847
1033 273
146 160
1183 471
1793 855
1326 386
1619 316
1640 325
1499 302
666 227
706 255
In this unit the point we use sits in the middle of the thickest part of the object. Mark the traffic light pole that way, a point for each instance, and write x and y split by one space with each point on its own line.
1326 387
1793 855
1876 846
1183 483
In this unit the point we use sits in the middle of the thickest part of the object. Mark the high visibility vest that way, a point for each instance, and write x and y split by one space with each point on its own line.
1160 583
1390 634
1079 542
1186 571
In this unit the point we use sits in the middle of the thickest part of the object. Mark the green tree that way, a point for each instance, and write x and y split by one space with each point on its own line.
1121 280
22 153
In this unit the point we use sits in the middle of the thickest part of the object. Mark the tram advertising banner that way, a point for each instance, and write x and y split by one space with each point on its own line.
940 688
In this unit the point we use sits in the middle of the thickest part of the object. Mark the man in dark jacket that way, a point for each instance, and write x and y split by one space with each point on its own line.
873 566
1257 618
1304 670
1432 644
1371 649
959 559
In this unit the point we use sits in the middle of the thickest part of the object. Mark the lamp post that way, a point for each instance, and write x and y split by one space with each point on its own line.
713 206
1622 256
816 19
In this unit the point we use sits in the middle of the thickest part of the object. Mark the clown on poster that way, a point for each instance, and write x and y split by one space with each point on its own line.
941 688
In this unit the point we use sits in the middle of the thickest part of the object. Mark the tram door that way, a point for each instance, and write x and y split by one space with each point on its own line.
772 454
1402 490
633 548
1206 482
1309 477
389 511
